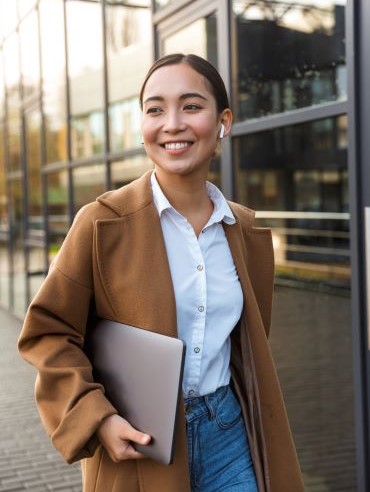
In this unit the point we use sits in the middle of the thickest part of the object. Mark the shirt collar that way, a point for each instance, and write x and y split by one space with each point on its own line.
221 211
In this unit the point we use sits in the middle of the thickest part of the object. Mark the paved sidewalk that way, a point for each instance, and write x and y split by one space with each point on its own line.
28 461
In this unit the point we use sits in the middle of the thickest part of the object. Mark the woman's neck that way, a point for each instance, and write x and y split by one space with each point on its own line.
189 197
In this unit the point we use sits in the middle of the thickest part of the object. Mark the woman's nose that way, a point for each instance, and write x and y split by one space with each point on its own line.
173 122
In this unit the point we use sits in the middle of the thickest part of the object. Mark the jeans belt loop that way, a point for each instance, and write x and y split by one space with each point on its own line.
210 407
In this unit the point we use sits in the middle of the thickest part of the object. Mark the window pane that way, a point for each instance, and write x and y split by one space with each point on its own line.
88 184
8 17
4 218
19 273
12 77
4 274
33 130
30 55
311 342
53 75
125 124
85 62
87 134
129 53
297 178
25 6
129 169
199 37
57 210
2 83
289 56
160 4
37 270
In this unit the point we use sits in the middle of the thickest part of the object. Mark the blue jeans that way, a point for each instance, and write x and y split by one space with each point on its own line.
219 457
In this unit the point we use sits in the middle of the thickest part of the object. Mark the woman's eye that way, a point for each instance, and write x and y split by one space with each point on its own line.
192 107
154 110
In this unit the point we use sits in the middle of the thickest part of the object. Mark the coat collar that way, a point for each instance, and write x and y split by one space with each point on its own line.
138 194
130 198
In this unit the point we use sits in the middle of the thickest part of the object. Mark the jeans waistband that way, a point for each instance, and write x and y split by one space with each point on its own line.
196 406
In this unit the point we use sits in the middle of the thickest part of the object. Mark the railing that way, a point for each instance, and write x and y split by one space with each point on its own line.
310 244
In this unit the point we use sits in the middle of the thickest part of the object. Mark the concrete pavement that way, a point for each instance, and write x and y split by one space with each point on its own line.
28 461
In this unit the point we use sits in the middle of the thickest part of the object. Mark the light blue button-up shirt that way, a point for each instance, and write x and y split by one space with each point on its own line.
209 298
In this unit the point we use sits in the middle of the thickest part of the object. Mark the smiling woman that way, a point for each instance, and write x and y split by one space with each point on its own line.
195 268
181 125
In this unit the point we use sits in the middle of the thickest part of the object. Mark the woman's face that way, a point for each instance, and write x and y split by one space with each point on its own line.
180 123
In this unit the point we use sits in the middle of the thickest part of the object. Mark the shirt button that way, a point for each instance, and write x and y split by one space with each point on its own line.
200 267
197 350
201 309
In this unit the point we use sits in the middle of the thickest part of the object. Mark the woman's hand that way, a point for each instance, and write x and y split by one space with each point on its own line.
116 435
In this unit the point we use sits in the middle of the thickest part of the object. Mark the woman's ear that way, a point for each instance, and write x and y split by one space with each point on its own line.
225 119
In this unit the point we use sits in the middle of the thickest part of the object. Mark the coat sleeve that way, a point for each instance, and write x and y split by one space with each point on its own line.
70 403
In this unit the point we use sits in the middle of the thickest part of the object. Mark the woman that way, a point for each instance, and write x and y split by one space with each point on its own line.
167 253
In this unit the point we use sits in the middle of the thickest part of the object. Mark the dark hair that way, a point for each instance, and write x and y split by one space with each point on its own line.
200 65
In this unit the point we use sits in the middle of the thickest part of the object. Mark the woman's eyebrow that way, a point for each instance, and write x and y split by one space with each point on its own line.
187 95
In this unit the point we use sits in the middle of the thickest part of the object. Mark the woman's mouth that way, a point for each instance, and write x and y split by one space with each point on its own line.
176 145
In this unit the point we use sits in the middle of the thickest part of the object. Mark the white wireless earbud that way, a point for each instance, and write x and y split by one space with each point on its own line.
222 131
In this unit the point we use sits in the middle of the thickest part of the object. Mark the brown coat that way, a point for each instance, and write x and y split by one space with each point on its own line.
114 259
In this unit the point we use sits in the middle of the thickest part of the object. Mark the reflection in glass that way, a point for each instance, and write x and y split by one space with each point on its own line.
36 270
57 210
125 125
297 178
8 18
30 61
88 184
133 3
87 134
85 62
4 275
14 133
25 6
289 55
19 275
123 172
311 342
4 219
129 55
160 4
199 37
2 93
53 76
33 130
12 78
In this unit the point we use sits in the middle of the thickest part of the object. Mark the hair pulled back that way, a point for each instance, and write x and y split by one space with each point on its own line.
200 65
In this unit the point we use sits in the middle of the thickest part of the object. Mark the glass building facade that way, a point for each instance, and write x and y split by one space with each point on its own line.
70 74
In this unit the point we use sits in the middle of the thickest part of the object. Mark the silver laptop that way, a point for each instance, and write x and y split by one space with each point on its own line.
141 372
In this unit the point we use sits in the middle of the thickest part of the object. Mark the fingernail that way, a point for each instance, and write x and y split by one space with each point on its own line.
145 439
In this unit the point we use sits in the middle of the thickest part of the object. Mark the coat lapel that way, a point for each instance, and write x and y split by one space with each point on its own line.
133 266
242 363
